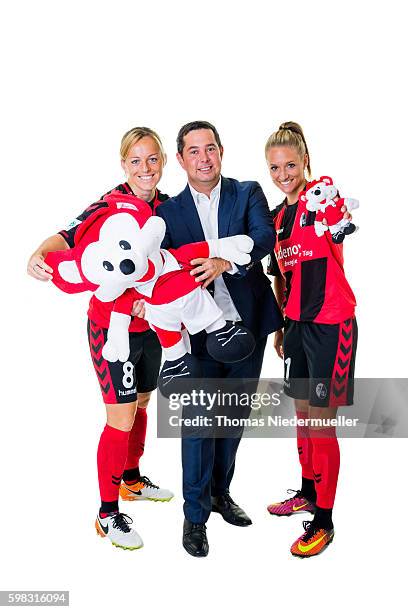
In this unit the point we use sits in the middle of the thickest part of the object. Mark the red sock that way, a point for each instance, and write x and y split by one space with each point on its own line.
304 446
326 464
136 439
111 459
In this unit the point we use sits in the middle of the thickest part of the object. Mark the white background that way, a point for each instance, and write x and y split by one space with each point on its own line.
76 77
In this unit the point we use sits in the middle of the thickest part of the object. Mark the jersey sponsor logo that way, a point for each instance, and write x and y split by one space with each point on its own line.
289 251
321 390
120 205
73 224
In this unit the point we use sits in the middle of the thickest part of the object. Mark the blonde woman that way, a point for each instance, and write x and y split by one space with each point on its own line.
319 340
126 387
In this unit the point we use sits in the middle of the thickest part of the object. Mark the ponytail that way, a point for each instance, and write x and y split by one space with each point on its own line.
290 134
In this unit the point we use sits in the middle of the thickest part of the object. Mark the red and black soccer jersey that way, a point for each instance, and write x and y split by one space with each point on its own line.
316 287
99 312
69 233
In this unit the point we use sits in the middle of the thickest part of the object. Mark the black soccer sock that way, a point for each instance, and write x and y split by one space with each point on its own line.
308 489
131 476
108 508
323 518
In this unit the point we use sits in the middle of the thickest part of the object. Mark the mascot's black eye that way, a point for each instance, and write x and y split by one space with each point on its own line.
124 245
108 266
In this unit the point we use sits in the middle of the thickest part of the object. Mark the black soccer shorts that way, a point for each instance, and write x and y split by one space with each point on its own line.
120 382
319 362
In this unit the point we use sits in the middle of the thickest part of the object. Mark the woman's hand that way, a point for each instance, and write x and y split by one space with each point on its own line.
278 343
139 309
38 269
208 269
36 266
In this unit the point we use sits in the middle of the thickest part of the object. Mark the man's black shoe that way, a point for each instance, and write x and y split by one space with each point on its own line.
230 511
195 539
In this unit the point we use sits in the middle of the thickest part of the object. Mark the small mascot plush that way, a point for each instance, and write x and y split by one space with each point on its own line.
322 197
117 255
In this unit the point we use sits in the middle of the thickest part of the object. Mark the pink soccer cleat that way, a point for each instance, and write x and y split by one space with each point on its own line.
293 505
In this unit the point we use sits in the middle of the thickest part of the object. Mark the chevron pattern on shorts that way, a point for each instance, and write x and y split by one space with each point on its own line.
96 343
342 364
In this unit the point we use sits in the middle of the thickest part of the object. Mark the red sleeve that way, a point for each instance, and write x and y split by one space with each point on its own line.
124 302
186 253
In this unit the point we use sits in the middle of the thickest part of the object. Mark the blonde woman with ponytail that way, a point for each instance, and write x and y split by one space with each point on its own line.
319 340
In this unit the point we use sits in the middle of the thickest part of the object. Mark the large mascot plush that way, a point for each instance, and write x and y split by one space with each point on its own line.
117 255
322 197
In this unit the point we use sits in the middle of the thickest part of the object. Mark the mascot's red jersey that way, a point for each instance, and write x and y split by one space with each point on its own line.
316 286
117 255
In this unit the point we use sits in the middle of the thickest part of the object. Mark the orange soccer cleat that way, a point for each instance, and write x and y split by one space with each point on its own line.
313 541
144 489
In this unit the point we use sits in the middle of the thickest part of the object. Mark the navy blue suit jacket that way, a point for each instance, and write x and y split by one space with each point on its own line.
243 209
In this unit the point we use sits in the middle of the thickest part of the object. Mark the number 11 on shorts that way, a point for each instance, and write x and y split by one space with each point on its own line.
287 369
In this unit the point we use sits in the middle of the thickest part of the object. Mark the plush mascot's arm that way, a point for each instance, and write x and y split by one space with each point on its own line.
124 303
186 253
117 345
233 248
349 203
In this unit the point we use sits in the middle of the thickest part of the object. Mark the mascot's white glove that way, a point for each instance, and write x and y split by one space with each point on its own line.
351 204
117 345
234 248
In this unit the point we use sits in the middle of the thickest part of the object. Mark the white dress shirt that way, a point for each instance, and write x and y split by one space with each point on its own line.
207 208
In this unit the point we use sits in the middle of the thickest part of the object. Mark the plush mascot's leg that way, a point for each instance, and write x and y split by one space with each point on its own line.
180 367
175 376
230 344
349 228
338 237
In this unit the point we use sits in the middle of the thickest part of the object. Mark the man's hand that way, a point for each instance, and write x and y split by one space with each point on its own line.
208 269
345 216
278 343
138 309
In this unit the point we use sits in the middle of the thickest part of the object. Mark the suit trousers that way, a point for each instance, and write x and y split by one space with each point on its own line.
208 462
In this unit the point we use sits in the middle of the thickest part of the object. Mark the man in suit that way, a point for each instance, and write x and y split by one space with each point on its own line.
212 206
